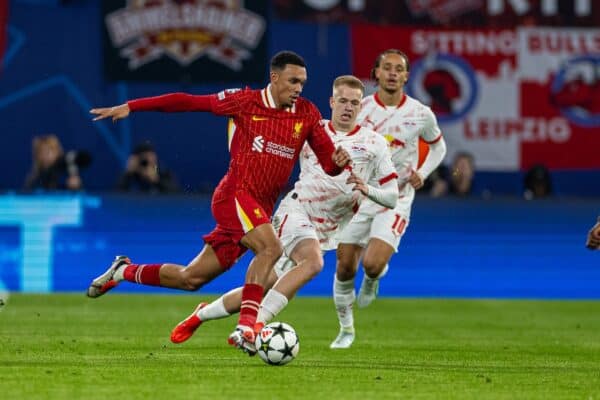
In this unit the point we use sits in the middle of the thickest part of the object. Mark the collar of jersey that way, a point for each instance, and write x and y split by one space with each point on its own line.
269 102
352 132
378 100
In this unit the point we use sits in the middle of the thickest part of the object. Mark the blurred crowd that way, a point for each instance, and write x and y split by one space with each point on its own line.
54 169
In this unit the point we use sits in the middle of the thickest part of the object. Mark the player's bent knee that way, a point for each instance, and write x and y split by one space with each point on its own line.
314 266
374 265
345 270
272 252
192 283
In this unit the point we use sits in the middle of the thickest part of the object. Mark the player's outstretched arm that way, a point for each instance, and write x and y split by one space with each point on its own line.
116 112
172 102
593 239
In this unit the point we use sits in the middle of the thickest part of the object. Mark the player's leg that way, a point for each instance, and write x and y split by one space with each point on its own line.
352 241
226 305
308 258
375 263
202 269
386 232
220 308
302 262
267 249
348 256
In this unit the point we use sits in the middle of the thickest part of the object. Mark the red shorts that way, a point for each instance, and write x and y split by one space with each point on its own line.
236 215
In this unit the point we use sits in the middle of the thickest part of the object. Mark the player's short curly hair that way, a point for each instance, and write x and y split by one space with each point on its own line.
283 58
385 53
350 81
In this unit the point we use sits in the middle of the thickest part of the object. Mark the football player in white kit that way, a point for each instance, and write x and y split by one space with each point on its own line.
316 209
375 232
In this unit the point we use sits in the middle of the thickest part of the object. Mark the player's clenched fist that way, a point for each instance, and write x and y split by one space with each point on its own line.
116 112
415 180
340 157
593 239
359 184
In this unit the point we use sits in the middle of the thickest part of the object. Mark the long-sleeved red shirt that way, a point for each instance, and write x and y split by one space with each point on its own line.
265 142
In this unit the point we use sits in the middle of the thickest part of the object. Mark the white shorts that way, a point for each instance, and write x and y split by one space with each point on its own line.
292 225
387 225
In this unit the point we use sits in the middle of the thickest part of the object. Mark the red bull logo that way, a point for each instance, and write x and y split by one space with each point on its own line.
393 142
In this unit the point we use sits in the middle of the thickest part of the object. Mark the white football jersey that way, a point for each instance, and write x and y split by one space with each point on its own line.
401 126
328 200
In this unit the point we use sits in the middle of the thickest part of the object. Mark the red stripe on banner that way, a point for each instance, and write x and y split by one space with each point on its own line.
368 41
3 28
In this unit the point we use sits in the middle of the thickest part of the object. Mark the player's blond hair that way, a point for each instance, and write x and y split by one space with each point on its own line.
349 80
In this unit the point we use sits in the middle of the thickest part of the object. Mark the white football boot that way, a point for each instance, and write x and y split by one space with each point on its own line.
369 289
106 281
344 339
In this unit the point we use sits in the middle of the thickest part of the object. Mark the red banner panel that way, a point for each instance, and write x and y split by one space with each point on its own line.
511 97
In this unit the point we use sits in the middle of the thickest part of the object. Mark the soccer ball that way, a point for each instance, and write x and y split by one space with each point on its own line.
277 343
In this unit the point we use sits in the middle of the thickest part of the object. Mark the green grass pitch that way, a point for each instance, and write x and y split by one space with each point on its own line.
117 347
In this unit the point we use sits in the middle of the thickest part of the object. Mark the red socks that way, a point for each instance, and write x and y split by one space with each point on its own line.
251 297
145 274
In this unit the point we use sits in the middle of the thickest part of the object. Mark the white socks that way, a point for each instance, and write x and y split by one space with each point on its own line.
271 305
214 310
343 297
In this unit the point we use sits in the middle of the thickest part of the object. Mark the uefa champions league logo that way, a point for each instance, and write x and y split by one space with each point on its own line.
575 90
445 83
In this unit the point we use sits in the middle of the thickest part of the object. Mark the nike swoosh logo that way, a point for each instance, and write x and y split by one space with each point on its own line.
256 118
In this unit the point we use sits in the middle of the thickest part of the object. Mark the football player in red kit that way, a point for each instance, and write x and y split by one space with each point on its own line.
267 130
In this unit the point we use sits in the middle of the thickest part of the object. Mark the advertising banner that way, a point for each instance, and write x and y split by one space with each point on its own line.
511 97
444 13
191 41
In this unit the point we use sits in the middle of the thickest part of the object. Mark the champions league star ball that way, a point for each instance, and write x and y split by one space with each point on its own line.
277 343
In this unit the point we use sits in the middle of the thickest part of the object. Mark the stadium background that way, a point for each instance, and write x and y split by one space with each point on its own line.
55 69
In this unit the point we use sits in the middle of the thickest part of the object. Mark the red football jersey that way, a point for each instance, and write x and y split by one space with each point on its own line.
264 141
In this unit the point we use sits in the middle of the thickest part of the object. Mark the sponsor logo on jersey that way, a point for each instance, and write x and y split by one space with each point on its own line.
257 118
258 145
222 30
393 142
360 148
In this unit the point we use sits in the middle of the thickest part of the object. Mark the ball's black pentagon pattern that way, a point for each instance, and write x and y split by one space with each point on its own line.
277 343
